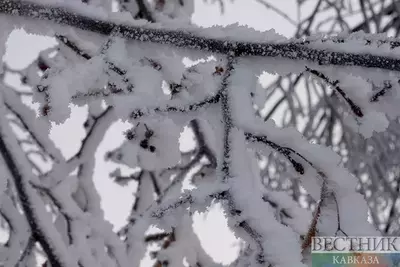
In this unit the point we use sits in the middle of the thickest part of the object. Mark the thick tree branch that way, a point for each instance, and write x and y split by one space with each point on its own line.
292 50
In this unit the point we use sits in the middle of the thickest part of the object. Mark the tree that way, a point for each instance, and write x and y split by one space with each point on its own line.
136 68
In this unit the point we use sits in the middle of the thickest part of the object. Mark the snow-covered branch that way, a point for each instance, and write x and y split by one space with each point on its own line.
203 40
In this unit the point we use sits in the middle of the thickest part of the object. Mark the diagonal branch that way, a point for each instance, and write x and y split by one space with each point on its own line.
285 151
335 84
190 39
38 231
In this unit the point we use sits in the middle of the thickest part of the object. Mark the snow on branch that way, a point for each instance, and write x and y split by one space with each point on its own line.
203 39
